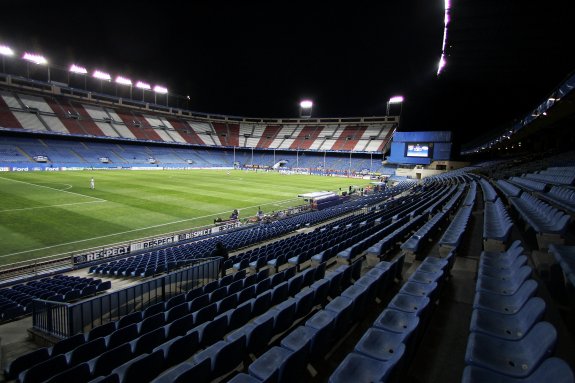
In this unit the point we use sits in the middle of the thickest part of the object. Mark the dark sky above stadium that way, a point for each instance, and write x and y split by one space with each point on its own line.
259 59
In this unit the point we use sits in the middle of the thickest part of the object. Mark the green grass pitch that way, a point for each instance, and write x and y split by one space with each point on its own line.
49 213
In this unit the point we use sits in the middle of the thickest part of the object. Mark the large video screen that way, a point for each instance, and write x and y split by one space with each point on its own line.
417 150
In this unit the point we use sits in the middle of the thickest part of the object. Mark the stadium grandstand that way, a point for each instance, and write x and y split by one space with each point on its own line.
357 251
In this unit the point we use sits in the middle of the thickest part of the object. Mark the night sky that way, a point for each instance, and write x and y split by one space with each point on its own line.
259 59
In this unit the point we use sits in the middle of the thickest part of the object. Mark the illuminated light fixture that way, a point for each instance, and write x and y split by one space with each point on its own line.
6 51
446 20
545 113
36 59
78 69
396 100
102 75
306 104
123 80
143 85
160 89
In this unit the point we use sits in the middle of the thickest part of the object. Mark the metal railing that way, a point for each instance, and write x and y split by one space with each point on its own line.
63 320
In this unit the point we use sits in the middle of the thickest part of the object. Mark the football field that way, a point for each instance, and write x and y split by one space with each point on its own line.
50 213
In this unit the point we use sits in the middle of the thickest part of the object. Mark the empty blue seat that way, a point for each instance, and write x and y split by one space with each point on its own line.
505 304
212 330
321 290
381 345
397 321
224 356
508 326
175 300
180 326
187 372
198 303
240 315
299 339
142 368
180 348
257 336
342 309
236 286
86 351
409 303
263 286
205 314
512 358
419 289
304 302
102 330
295 284
503 286
68 344
246 294
153 310
122 335
147 342
261 303
219 293
105 363
44 370
323 322
129 319
154 322
280 365
79 373
360 368
26 361
551 370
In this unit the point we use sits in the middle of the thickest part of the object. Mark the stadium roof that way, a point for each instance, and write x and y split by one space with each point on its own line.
261 59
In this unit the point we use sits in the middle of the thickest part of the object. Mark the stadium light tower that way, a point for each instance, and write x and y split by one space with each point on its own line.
161 90
78 70
305 108
102 76
5 51
36 59
124 81
395 100
144 86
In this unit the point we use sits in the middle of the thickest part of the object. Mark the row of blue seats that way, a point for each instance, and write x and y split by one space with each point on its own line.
17 301
451 238
390 342
539 215
142 330
508 341
508 188
330 242
496 222
489 193
183 355
561 197
238 239
390 241
565 257
310 342
529 184
552 179
412 244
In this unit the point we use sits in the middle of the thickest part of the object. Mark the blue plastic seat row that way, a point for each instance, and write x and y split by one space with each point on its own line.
507 340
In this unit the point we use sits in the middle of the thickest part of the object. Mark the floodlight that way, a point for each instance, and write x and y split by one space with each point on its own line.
78 69
35 58
306 104
160 89
102 75
123 80
6 51
396 100
143 85
441 64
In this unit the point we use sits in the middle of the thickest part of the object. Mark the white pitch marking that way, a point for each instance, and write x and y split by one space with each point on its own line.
135 230
48 187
